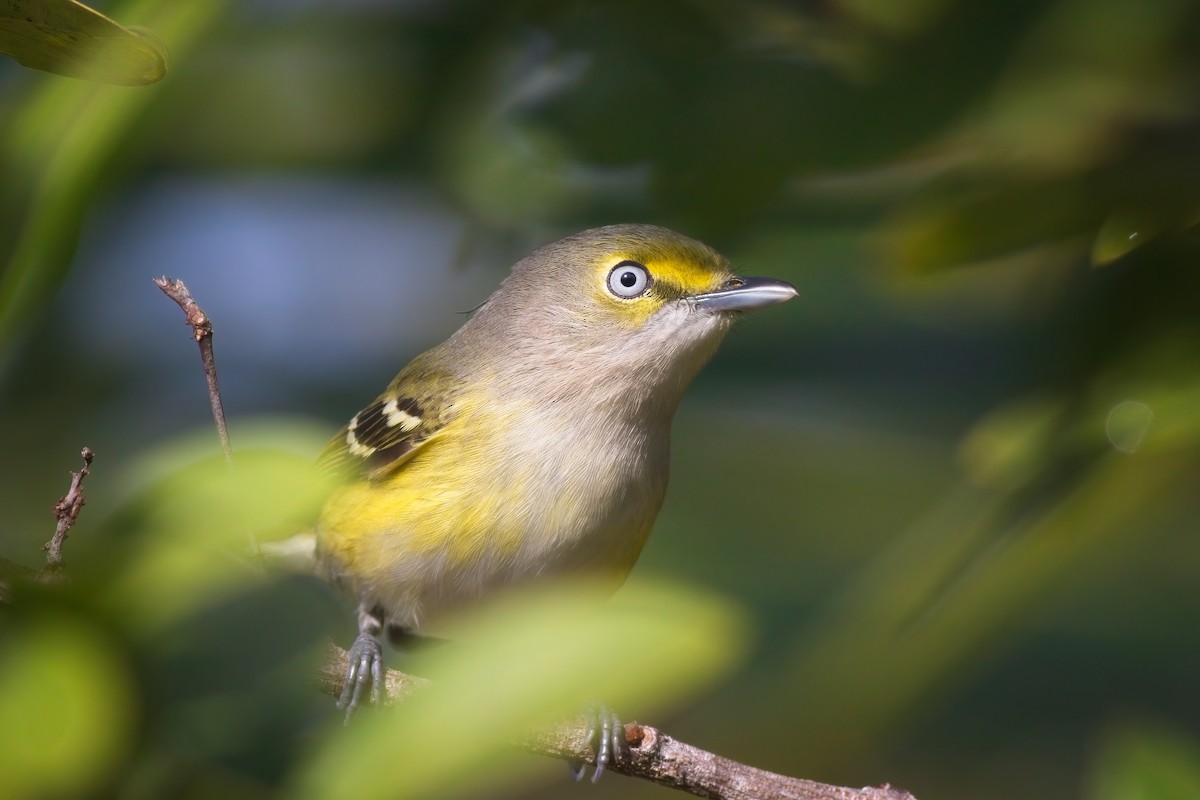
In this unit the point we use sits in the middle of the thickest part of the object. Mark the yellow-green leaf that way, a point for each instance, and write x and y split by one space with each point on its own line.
69 38
68 708
524 661
1122 232
1147 761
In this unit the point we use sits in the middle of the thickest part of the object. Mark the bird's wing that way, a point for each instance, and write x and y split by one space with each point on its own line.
387 433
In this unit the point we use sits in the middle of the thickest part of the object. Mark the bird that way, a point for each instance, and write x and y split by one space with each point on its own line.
533 442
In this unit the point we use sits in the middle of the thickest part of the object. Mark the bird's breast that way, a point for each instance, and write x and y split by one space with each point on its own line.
500 501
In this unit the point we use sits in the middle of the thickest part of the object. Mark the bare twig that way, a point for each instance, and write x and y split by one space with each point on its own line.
652 756
202 331
66 511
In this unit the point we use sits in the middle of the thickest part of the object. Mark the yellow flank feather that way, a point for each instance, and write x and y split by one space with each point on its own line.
503 493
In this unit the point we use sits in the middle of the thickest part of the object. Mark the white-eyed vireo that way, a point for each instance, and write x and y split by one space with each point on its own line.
533 441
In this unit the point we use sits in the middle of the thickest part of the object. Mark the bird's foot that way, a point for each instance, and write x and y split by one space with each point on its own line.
366 667
607 735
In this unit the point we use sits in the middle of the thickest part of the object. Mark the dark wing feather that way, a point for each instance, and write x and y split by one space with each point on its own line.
389 431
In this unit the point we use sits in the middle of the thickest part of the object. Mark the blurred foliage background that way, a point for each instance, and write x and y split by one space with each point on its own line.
951 490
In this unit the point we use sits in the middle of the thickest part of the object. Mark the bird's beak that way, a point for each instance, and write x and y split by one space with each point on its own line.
745 294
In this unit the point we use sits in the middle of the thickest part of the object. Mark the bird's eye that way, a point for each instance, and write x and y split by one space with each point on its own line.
628 279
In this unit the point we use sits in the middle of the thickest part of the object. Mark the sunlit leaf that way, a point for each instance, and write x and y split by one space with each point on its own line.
529 660
1123 232
954 227
67 704
1147 764
68 38
198 517
1009 444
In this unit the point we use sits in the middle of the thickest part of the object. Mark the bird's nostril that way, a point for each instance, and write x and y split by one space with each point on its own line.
734 283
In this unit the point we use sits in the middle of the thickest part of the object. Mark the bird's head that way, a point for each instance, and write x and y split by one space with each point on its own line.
634 305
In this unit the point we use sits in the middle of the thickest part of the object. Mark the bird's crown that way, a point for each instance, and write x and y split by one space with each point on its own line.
629 271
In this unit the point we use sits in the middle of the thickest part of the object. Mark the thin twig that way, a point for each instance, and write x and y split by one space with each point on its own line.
202 332
652 755
66 512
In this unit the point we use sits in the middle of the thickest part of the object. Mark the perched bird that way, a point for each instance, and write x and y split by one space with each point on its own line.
534 441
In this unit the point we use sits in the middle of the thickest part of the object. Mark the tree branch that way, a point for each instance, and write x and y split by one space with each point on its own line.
66 512
202 332
652 754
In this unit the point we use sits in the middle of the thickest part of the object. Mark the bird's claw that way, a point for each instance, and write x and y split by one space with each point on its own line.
607 735
366 666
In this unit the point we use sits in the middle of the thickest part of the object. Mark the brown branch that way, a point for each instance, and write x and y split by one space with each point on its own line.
66 512
652 754
202 332
662 759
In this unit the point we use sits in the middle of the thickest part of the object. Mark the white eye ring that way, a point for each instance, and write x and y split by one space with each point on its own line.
628 279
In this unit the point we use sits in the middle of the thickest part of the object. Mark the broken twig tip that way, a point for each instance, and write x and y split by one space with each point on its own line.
66 512
202 332
194 316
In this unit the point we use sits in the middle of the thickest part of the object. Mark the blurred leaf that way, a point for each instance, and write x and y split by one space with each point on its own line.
1020 442
1147 763
952 226
1126 229
196 518
287 88
68 706
530 659
1122 232
1085 72
900 18
506 174
68 38
57 150
1009 445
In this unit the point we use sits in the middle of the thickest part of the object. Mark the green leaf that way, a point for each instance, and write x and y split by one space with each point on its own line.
1009 445
529 660
69 38
1148 763
1124 231
197 516
68 706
